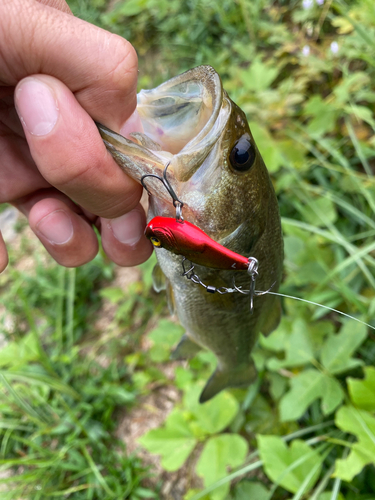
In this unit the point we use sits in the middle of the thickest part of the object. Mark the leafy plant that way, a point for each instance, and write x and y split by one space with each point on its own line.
185 428
303 71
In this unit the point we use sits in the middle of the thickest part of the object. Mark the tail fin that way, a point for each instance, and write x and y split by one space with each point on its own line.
222 379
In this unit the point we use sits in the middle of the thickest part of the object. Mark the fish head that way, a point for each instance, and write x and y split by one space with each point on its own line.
214 165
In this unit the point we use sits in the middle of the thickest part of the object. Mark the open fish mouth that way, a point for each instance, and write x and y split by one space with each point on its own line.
180 122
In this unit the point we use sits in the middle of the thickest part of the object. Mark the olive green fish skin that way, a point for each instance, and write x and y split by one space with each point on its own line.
237 209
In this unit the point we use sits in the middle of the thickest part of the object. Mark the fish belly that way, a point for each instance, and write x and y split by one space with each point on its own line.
221 323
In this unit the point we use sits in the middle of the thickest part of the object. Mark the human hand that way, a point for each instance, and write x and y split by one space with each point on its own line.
57 75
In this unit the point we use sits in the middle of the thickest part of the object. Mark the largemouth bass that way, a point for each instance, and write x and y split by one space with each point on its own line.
217 171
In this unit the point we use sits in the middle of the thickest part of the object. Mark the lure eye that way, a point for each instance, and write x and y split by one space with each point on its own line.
155 241
243 154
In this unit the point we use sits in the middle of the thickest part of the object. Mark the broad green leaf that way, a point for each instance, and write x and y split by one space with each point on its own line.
260 358
320 212
362 392
343 26
182 377
338 349
259 75
309 272
298 347
288 466
219 453
327 495
270 153
323 115
192 493
18 353
362 113
306 388
261 418
247 490
174 442
215 415
293 152
293 247
131 7
164 336
349 85
362 424
278 385
113 294
276 341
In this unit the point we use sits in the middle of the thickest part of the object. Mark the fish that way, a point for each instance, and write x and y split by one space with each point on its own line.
190 125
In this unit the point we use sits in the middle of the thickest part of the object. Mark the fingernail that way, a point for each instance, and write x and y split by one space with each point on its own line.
36 106
56 227
128 229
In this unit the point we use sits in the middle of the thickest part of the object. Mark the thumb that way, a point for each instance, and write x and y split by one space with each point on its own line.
100 68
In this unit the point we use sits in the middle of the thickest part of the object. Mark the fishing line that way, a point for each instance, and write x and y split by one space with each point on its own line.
320 305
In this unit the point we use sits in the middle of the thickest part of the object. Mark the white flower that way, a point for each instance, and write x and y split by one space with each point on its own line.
319 2
307 4
334 47
306 50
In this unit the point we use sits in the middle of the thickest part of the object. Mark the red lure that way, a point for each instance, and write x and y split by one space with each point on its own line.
186 239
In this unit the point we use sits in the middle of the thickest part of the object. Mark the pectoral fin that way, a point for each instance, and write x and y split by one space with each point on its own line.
170 298
186 348
158 279
222 379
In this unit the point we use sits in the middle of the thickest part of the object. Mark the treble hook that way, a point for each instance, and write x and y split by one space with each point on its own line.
177 203
252 292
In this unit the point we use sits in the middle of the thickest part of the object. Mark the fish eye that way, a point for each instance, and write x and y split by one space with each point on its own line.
155 241
243 154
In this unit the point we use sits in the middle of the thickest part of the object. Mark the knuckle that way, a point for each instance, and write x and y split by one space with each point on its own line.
124 64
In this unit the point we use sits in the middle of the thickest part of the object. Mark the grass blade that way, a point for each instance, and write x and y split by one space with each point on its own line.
70 307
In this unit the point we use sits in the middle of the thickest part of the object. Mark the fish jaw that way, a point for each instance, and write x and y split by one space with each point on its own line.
136 160
181 121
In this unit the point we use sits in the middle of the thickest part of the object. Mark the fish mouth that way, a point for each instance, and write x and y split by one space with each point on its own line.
180 122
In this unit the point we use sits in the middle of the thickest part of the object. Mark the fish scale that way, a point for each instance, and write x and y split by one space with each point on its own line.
219 174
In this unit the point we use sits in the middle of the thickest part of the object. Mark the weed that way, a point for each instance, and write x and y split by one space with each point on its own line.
303 71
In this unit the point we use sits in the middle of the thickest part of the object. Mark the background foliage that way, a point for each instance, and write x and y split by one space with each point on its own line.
303 71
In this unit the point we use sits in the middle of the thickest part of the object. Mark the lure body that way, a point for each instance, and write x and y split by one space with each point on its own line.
186 239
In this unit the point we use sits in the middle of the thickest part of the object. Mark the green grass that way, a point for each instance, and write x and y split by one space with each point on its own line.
57 401
310 415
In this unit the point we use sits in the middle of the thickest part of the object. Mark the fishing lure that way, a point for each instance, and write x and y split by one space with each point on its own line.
196 247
